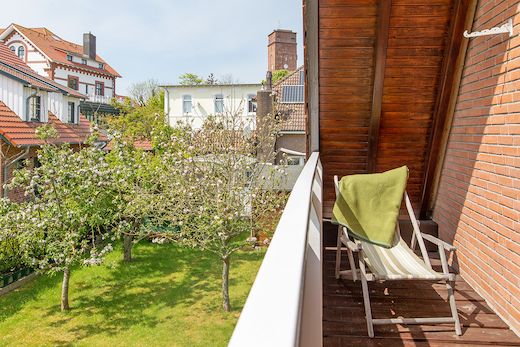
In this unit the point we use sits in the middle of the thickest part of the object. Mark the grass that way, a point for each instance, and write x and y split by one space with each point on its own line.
168 296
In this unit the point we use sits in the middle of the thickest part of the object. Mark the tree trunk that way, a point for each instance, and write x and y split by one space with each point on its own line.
225 284
65 290
127 247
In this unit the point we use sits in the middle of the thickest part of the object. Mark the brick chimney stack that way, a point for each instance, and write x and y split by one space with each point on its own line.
281 50
89 45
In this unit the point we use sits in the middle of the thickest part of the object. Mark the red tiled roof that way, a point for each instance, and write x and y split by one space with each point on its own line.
21 133
145 145
56 49
294 113
12 65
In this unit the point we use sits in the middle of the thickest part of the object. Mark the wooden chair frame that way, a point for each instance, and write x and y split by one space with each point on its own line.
355 246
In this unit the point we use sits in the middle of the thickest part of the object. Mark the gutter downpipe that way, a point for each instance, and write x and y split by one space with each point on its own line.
22 155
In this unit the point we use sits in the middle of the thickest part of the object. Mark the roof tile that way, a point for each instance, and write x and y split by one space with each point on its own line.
21 133
57 49
295 113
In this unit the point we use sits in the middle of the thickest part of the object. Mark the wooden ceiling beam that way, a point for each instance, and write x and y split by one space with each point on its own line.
383 23
451 74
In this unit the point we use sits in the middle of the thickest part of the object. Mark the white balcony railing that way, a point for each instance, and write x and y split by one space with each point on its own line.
102 99
284 307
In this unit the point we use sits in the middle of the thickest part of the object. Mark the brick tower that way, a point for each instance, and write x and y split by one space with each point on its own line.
281 50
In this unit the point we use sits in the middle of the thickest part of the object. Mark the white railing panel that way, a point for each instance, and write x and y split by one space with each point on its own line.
285 302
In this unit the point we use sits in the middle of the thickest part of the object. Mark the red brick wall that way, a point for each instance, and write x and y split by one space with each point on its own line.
478 204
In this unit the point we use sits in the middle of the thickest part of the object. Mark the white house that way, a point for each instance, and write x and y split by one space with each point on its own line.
75 66
192 104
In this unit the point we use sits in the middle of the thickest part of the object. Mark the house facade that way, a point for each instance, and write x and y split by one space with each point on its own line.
289 104
27 101
78 67
192 104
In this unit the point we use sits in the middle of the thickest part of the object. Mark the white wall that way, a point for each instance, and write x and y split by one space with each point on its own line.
14 95
11 94
203 102
59 106
61 75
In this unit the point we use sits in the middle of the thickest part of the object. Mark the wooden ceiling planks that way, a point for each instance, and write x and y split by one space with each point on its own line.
357 87
347 31
418 31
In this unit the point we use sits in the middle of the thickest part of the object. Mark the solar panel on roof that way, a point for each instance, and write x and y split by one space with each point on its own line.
293 94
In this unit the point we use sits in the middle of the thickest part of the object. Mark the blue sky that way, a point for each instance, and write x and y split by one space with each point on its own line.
162 39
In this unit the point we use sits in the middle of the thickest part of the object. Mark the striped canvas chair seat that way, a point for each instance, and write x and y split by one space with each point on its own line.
397 263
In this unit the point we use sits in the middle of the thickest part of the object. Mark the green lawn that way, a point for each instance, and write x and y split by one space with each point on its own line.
168 296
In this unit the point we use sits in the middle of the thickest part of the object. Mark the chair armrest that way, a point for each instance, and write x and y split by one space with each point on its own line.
438 242
351 245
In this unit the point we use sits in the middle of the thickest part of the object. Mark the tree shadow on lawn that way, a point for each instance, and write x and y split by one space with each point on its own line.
132 293
13 302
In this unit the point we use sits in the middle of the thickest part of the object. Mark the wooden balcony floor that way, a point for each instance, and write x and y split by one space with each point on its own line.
344 315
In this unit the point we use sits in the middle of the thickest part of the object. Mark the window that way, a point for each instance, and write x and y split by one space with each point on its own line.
86 89
13 49
69 57
293 94
34 108
84 61
73 82
186 104
251 103
101 65
71 114
219 103
21 52
100 88
302 77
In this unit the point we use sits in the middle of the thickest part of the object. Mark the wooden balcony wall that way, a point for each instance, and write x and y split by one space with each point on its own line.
380 66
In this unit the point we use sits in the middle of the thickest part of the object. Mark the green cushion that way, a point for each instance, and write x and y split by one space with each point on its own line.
368 205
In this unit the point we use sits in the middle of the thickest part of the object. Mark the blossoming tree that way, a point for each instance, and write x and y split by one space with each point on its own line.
69 209
220 186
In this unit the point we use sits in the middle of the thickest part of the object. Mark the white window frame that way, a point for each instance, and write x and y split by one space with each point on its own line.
185 99
251 102
21 49
31 104
220 98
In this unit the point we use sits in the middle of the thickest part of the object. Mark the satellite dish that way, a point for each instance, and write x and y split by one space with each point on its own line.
285 66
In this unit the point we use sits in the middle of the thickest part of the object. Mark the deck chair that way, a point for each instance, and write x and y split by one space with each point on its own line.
397 263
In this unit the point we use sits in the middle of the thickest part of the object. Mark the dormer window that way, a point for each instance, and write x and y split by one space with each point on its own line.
71 115
69 57
13 49
34 108
21 52
84 61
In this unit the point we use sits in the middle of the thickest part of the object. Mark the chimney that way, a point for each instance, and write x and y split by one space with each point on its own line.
89 45
281 50
269 80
